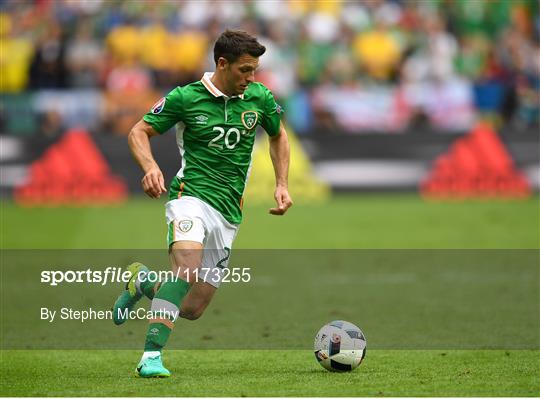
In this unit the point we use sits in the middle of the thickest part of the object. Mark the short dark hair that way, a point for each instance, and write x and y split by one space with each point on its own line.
231 44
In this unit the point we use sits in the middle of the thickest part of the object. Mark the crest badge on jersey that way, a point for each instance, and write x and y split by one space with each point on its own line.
185 225
158 107
249 119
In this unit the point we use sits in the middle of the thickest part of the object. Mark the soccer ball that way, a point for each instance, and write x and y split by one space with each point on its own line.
340 346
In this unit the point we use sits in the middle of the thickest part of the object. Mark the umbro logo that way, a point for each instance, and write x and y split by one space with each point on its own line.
201 119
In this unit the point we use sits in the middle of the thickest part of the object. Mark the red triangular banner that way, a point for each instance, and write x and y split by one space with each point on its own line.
476 166
71 172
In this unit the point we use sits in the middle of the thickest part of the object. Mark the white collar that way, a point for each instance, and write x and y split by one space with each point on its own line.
207 82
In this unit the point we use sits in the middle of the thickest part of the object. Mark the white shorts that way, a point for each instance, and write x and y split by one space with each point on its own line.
190 219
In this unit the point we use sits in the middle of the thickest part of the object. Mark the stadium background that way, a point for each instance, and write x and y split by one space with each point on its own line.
376 90
414 125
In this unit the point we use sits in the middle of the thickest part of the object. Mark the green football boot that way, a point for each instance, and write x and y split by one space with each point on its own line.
152 367
129 297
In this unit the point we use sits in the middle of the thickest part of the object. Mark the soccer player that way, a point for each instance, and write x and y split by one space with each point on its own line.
215 120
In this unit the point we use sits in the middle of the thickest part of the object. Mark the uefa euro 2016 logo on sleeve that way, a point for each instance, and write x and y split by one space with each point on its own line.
158 107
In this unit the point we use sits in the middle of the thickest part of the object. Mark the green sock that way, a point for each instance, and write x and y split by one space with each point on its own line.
156 337
146 284
166 309
147 288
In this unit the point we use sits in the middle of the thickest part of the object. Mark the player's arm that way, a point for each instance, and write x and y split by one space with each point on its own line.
280 155
153 183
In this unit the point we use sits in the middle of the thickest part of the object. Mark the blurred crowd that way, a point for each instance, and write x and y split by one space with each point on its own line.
384 65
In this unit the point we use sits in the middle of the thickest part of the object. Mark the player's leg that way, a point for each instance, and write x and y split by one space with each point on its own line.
166 306
185 238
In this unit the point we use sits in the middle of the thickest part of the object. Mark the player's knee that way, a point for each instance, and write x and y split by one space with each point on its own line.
192 313
192 316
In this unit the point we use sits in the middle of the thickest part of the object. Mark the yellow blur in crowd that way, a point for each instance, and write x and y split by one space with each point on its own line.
377 51
158 48
15 57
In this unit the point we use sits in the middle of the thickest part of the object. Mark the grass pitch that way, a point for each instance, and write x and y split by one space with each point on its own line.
272 373
346 221
369 222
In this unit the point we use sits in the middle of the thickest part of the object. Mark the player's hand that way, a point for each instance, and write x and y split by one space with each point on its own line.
153 183
283 201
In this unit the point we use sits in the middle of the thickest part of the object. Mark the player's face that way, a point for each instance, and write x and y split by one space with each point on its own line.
241 73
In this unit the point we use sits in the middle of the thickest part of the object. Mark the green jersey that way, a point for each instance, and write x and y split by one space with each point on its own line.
215 135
